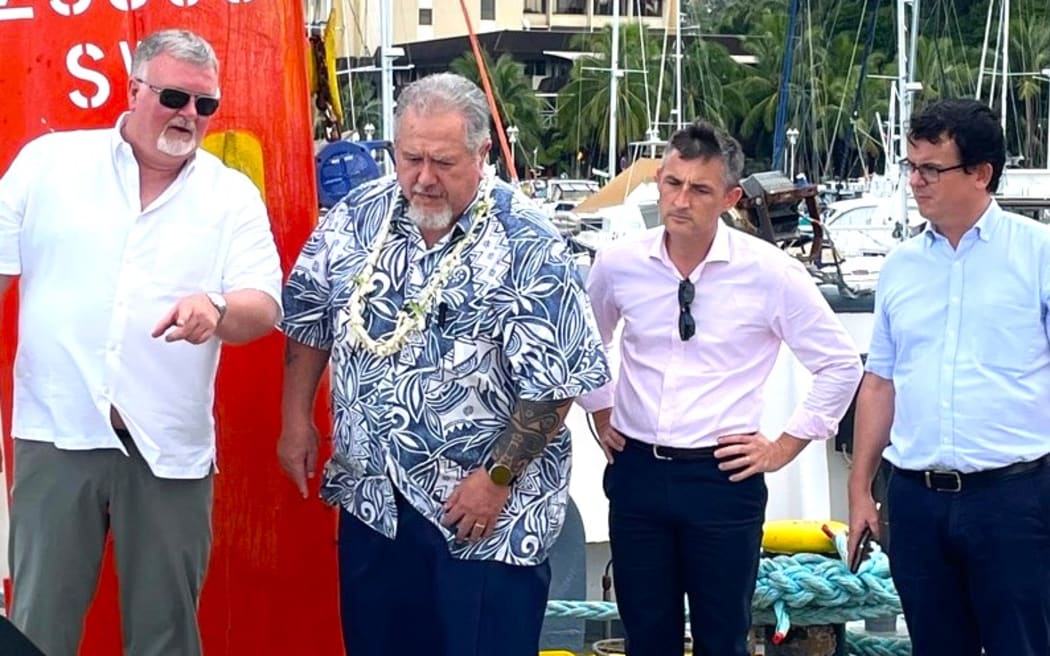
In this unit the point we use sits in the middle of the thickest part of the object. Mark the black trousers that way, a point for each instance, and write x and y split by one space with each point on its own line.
681 528
410 596
973 567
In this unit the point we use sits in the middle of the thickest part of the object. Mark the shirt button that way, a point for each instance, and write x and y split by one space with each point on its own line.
955 299
944 404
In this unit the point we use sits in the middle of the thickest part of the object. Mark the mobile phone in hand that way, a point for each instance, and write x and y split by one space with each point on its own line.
862 550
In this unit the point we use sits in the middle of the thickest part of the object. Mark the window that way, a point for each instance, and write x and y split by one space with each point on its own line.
855 218
426 16
488 9
535 6
536 68
570 7
649 8
605 7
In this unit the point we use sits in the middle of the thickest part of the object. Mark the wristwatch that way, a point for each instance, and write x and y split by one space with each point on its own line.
499 473
219 301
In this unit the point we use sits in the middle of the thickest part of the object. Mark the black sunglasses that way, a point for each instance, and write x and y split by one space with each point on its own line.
177 99
686 323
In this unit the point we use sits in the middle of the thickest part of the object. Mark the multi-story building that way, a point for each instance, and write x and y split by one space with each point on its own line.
425 20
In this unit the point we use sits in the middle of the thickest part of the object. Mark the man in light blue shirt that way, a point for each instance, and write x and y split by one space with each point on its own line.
957 398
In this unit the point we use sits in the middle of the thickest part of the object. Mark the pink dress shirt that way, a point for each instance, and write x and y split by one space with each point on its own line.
750 298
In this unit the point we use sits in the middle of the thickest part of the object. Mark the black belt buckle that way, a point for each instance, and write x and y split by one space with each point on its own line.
656 453
944 481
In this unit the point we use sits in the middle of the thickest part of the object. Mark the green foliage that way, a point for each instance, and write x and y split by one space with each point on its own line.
822 87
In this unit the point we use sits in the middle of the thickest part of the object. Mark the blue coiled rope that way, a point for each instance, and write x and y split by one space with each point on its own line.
802 589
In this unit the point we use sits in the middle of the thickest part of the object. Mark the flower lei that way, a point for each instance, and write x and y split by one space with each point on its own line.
413 313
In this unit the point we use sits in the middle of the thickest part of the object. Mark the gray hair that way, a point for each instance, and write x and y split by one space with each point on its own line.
183 45
702 140
451 93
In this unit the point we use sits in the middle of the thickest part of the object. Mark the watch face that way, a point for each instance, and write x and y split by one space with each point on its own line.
501 474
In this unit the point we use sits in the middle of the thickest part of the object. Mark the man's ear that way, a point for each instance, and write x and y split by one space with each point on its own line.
133 90
733 196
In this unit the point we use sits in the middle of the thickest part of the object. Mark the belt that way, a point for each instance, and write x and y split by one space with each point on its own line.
671 452
954 481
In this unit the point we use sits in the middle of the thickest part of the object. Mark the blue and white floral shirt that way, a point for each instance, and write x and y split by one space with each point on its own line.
513 323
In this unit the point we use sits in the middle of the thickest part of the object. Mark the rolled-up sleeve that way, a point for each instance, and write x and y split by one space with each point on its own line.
252 261
14 190
815 335
550 337
881 353
307 294
606 316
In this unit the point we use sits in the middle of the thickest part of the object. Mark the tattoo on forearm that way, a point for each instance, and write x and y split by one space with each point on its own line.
532 426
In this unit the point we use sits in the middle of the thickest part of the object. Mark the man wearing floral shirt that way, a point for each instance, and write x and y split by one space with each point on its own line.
458 333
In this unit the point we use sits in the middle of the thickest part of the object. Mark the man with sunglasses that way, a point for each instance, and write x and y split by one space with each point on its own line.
138 256
955 398
705 310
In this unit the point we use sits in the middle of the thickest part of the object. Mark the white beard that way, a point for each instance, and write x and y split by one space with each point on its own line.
430 220
175 147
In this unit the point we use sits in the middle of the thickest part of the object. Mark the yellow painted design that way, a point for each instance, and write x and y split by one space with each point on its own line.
239 150
334 24
791 536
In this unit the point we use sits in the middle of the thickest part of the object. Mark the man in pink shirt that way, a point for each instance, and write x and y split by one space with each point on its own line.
705 309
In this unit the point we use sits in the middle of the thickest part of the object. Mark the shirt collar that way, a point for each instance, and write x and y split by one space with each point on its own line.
460 227
123 152
719 252
984 227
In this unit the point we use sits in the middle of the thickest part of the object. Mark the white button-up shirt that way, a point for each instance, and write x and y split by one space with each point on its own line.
98 272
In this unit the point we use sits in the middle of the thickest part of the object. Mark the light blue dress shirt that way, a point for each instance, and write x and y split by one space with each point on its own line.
962 333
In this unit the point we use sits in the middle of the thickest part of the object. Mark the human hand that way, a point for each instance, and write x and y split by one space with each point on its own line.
609 439
474 506
751 454
194 320
863 516
297 453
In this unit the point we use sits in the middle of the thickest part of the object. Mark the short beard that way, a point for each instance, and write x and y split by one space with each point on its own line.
430 220
176 147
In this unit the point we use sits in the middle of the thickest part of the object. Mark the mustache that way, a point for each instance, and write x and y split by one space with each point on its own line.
182 122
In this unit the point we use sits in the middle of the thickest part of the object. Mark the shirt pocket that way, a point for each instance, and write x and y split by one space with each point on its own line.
1010 336
187 259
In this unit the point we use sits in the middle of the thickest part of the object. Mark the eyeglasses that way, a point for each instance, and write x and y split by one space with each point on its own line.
686 323
177 99
928 172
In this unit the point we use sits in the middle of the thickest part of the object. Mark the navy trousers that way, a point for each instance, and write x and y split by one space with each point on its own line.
973 567
680 528
409 596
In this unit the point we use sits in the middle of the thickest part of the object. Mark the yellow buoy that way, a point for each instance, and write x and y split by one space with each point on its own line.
792 536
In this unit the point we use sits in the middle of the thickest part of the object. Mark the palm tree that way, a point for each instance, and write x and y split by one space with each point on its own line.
583 104
360 105
1030 50
516 101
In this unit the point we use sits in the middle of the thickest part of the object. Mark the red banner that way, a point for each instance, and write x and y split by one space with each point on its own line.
272 585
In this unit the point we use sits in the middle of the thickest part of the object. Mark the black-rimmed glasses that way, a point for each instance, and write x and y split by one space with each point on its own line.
177 98
928 172
686 323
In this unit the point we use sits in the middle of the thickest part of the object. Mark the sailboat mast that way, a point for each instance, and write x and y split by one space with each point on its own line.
386 76
903 97
1005 86
906 86
614 82
679 121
